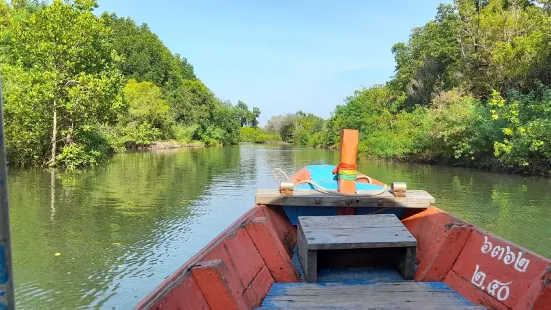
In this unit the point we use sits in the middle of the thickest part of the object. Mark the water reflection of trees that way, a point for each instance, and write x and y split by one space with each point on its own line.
101 219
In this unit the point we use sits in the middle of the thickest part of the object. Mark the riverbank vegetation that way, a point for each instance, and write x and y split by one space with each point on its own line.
471 87
299 128
80 87
258 135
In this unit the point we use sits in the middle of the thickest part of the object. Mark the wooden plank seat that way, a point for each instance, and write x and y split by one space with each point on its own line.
392 295
355 241
417 199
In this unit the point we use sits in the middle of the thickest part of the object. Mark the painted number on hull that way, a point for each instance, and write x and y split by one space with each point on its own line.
496 288
505 254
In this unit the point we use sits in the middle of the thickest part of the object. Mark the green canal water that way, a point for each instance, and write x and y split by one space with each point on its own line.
122 228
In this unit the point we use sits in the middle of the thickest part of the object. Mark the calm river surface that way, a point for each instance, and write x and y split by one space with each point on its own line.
122 228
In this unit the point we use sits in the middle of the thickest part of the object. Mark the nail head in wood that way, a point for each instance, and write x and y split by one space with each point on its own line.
399 189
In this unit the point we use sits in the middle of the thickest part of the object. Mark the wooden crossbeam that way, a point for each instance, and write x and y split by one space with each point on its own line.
306 197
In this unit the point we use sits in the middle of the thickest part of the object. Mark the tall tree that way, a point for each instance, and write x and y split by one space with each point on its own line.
504 44
254 117
426 64
191 102
66 49
246 116
243 113
186 69
282 125
145 57
146 104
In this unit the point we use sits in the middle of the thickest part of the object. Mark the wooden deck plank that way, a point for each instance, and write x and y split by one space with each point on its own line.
395 295
349 232
414 199
382 220
364 238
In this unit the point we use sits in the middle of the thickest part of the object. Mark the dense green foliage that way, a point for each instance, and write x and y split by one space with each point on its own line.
145 56
299 128
78 87
257 135
61 82
246 116
471 87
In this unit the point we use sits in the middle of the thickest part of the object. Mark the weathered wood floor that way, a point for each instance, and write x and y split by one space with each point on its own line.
362 288
391 295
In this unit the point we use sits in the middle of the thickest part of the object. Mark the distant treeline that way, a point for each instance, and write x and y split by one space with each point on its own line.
78 88
472 87
297 128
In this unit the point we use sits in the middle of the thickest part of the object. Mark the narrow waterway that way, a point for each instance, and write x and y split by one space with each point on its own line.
106 237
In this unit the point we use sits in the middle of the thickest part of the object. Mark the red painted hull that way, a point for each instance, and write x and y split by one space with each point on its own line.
236 270
486 269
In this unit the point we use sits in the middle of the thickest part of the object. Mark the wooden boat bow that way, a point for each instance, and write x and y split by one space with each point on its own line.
255 262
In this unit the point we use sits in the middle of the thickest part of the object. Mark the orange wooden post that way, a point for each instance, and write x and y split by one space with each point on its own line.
347 166
349 149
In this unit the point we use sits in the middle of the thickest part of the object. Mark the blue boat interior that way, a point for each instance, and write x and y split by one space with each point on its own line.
370 288
351 275
323 175
356 288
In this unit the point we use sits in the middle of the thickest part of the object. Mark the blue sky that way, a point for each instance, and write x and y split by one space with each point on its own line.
283 56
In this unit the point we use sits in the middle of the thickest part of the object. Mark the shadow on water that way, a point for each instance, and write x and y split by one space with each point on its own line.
122 228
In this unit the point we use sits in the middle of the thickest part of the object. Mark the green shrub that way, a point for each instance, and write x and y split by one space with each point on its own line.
317 140
401 137
77 156
183 133
91 147
133 135
257 135
525 124
460 128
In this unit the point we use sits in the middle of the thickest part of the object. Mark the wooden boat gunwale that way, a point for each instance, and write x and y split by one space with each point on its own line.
184 271
160 297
